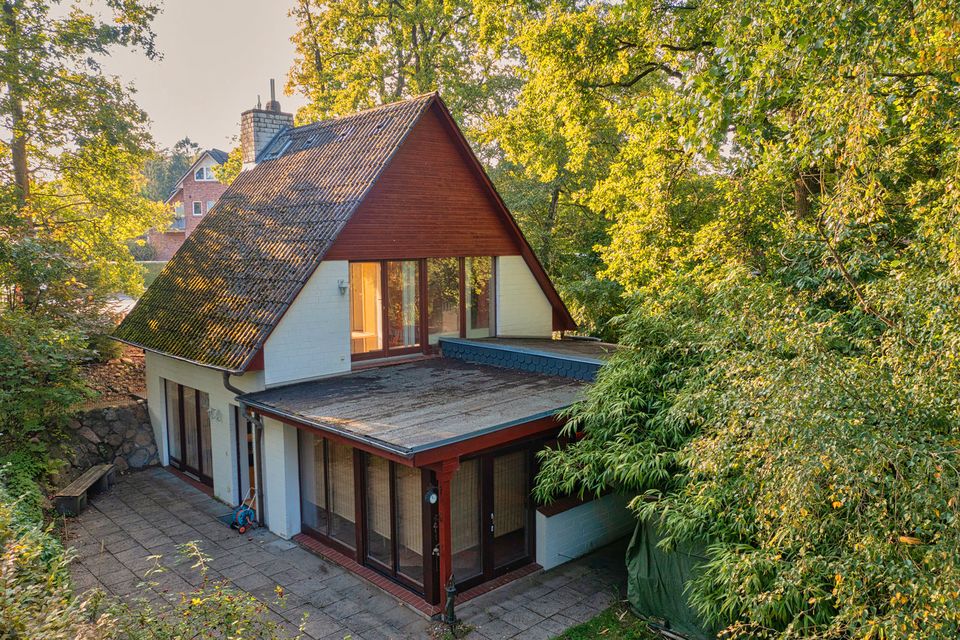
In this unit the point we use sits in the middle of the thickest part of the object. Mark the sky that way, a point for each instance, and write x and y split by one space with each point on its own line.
218 55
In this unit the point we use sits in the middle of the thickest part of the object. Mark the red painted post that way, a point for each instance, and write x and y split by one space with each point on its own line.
444 476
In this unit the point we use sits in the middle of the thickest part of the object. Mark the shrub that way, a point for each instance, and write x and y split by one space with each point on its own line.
212 610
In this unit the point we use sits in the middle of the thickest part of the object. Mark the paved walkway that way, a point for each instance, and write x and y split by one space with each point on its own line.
151 512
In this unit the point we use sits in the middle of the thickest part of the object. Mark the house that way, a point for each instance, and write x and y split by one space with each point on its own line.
193 197
360 336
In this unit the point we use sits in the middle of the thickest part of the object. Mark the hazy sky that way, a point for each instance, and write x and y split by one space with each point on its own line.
217 56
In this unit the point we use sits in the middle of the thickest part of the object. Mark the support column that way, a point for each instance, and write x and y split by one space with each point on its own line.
444 476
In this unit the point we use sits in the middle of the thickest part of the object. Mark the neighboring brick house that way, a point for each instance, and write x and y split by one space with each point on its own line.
359 342
193 197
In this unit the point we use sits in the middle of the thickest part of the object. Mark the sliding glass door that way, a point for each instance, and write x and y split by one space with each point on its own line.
327 500
492 516
189 439
394 524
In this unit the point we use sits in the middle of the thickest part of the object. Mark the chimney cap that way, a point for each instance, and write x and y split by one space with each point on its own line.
273 105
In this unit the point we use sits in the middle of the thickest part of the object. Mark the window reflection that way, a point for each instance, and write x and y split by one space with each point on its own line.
443 298
365 316
479 288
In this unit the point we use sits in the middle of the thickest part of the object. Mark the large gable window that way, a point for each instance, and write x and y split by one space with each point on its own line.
388 315
384 307
443 298
479 297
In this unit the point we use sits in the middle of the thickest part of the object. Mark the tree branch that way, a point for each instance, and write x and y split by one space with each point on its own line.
864 304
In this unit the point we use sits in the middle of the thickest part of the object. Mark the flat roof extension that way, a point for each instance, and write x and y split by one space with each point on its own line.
417 406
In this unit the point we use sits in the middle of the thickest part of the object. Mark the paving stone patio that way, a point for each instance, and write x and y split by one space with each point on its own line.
151 512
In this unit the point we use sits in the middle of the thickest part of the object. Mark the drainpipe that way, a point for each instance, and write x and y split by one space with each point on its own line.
229 386
257 438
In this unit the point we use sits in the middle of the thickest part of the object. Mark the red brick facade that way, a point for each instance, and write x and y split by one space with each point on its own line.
166 243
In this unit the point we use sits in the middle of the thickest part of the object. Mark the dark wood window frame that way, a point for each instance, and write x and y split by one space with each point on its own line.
324 536
426 516
485 504
422 291
177 463
428 589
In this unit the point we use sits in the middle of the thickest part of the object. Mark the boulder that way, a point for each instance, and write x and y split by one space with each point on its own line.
139 458
88 434
121 464
143 438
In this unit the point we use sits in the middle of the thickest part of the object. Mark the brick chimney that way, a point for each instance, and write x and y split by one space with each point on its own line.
259 126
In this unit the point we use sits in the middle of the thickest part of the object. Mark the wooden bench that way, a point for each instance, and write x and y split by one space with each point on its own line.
72 499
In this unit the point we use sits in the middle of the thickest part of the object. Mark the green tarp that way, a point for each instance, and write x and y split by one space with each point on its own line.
656 583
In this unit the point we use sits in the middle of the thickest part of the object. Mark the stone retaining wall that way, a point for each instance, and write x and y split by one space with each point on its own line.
120 434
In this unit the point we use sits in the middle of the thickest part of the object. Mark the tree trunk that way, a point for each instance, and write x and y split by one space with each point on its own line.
549 225
18 141
317 57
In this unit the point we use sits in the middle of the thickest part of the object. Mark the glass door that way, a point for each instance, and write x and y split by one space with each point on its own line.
511 509
466 532
188 431
491 519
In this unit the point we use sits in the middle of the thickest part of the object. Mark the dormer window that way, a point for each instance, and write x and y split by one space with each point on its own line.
204 174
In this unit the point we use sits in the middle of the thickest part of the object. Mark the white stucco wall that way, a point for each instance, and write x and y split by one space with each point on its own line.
313 337
222 431
580 530
522 308
281 478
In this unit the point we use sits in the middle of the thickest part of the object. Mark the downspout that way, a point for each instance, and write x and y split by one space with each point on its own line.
257 439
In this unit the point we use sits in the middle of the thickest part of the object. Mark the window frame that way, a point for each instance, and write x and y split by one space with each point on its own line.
425 347
206 175
385 351
204 475
194 208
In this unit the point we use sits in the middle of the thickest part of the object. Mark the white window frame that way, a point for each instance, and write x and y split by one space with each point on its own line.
205 175
194 210
210 204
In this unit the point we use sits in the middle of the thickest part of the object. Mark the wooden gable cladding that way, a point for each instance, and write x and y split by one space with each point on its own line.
429 202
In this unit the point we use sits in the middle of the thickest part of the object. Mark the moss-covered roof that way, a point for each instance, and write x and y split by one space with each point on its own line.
216 302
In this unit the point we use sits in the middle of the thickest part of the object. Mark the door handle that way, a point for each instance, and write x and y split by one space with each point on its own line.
491 523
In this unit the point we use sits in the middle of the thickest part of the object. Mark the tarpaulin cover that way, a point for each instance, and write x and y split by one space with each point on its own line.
657 580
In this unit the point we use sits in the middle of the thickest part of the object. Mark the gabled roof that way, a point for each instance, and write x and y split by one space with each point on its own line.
216 155
219 298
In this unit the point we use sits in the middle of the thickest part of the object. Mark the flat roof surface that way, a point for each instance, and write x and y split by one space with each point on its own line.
569 348
421 405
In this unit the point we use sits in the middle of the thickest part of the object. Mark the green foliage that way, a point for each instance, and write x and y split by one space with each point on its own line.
783 189
356 54
164 169
39 382
20 473
229 170
616 623
35 597
70 197
213 609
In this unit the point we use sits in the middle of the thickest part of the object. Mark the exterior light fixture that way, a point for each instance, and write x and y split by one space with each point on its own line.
431 497
342 286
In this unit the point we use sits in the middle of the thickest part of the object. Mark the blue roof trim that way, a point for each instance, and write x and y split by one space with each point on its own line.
522 359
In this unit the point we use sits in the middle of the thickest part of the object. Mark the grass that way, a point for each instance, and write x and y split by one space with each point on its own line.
616 623
151 270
